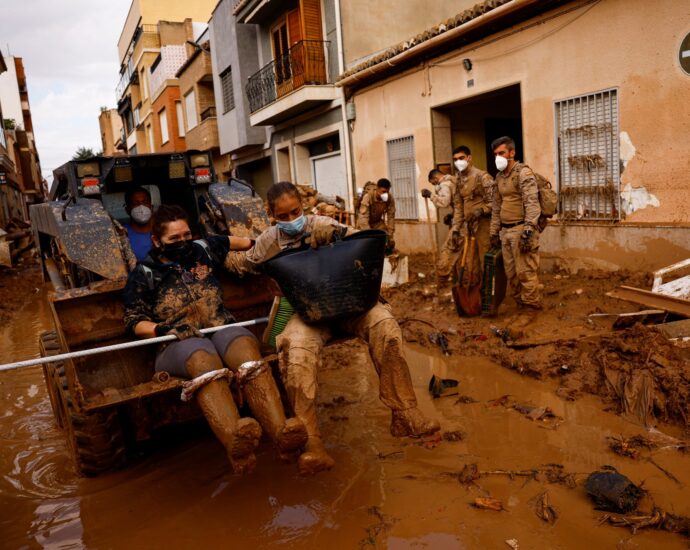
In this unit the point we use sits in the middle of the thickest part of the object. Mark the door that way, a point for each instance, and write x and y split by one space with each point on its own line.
281 56
330 178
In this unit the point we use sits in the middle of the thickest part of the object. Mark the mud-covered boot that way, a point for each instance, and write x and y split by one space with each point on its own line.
412 423
239 436
314 459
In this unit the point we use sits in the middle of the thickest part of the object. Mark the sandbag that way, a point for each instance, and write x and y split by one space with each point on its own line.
332 282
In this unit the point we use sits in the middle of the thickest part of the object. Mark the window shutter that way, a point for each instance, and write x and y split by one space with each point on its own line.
294 27
311 19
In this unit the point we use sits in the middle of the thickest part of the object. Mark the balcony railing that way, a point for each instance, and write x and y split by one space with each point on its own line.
303 64
209 112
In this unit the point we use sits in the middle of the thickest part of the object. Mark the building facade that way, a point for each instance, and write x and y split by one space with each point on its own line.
110 125
603 124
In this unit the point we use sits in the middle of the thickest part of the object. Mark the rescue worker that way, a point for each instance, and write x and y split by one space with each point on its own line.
443 196
139 208
175 291
377 211
473 203
514 223
300 344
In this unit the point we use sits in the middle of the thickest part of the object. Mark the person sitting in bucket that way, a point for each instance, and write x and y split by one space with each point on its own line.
175 291
300 344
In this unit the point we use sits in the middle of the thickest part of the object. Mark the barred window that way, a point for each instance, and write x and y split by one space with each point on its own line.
227 90
401 170
588 172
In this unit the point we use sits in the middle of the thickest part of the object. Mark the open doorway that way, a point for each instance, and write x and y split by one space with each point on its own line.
475 122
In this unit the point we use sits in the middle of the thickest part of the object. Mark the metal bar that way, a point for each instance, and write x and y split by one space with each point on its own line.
117 347
652 300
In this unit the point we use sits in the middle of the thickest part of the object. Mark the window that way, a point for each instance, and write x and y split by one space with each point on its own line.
180 118
401 170
588 172
190 107
281 55
227 90
163 117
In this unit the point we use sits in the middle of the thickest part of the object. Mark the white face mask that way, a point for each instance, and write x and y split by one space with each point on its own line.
461 165
501 163
384 197
141 214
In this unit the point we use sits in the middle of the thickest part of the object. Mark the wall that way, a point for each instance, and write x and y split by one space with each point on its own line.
9 93
581 52
369 27
167 100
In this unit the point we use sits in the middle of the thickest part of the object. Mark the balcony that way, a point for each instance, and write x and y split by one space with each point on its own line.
204 135
290 84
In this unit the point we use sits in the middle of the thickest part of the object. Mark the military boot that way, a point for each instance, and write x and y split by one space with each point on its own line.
314 459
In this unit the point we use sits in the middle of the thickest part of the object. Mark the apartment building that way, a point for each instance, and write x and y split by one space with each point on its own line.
151 50
110 125
596 94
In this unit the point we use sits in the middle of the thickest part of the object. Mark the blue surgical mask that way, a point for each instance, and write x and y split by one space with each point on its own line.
295 227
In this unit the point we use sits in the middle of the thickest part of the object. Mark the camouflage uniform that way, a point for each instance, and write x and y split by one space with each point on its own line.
475 190
372 212
516 208
300 344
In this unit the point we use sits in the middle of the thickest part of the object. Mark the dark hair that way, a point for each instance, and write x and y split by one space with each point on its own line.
165 214
383 182
505 140
462 149
129 194
279 189
433 173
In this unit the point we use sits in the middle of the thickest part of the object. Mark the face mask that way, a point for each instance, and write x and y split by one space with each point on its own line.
384 197
501 163
141 214
179 252
295 227
461 165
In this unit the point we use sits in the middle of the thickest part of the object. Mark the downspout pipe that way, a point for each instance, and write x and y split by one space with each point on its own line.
448 36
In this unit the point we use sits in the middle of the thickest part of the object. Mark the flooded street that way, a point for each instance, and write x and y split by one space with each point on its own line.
383 492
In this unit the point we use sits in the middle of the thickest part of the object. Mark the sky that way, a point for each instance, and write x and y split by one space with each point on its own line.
70 57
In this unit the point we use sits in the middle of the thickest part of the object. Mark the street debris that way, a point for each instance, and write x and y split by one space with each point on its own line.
442 387
536 414
543 509
655 519
453 436
465 400
488 503
547 473
513 543
613 492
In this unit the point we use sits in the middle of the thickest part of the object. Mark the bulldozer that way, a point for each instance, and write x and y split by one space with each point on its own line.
108 404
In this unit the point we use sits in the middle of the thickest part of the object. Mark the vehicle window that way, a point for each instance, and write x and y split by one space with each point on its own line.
114 203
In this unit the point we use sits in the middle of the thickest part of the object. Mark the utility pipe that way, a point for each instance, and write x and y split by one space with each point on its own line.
433 42
117 347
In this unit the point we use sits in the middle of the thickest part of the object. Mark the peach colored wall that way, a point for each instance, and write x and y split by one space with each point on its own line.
627 44
167 100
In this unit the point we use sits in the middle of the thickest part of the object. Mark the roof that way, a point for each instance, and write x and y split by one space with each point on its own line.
461 18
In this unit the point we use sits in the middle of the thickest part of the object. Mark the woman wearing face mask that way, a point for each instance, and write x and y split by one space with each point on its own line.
300 344
377 211
175 290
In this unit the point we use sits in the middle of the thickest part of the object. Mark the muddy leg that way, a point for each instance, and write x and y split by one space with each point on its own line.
240 436
381 331
509 247
299 348
241 354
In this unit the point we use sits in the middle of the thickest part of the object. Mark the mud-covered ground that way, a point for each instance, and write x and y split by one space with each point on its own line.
17 286
635 370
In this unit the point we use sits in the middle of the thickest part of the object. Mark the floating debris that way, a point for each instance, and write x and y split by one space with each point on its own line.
488 503
613 492
543 508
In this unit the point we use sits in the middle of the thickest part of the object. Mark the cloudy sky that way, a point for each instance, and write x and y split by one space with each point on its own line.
70 57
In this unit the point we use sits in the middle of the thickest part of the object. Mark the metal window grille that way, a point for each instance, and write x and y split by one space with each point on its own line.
401 170
227 90
588 157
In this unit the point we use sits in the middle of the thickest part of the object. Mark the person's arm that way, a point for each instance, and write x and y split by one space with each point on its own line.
530 197
240 243
442 197
363 217
138 309
390 216
145 329
486 189
458 212
496 213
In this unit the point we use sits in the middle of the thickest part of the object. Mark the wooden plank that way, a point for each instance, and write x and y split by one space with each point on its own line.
652 300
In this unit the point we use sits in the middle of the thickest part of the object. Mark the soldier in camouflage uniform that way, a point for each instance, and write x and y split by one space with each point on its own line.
514 223
377 211
473 203
443 196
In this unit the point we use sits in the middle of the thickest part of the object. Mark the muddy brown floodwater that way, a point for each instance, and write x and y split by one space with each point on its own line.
383 493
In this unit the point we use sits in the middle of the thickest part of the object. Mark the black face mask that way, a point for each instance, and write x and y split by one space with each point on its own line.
180 252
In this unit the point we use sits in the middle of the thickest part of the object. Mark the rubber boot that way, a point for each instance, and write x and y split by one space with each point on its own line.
240 436
412 423
263 397
314 459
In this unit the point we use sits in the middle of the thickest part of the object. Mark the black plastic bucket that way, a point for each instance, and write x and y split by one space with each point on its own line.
333 282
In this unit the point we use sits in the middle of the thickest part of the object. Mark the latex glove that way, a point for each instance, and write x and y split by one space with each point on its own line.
426 193
525 244
181 331
495 241
323 234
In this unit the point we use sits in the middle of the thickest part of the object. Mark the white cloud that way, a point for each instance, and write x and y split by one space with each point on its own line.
69 49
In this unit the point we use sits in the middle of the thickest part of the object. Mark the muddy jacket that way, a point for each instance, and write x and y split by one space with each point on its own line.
475 190
372 212
443 195
173 294
516 199
271 243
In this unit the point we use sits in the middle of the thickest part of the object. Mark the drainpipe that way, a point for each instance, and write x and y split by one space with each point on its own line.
448 36
347 141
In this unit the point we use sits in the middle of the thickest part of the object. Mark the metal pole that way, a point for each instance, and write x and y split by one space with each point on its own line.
117 347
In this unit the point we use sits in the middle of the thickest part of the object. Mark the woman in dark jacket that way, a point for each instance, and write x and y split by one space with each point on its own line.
174 290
